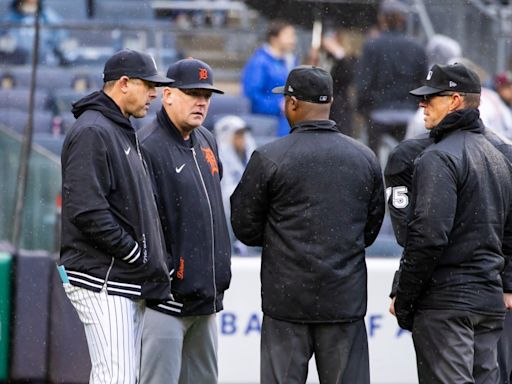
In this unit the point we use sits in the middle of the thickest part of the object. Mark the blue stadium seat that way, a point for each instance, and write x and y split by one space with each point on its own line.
68 10
17 119
226 105
113 10
64 98
49 141
19 98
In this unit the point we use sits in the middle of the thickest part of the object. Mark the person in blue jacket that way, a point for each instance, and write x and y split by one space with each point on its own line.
267 68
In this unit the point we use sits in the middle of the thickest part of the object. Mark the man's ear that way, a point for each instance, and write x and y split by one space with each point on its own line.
294 103
167 96
123 83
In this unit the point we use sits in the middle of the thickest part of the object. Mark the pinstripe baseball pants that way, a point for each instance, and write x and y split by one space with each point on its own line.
113 328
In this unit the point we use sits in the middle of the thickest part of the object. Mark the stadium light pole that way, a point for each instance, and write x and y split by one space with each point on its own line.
26 145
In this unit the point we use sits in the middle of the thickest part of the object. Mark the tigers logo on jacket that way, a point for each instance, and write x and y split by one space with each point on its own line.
210 159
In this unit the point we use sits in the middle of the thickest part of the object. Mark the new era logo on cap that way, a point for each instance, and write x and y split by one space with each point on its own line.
308 83
455 77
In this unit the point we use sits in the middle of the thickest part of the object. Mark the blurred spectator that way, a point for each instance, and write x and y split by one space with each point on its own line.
343 61
267 68
7 81
391 64
236 145
503 85
17 42
441 49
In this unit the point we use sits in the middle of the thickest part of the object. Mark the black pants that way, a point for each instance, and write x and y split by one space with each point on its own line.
456 347
340 349
505 351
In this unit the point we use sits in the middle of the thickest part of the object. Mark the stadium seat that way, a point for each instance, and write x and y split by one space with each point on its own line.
49 141
226 105
47 77
17 119
64 98
111 10
19 98
68 10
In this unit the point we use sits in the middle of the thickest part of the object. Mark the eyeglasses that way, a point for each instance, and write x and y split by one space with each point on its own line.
194 92
427 98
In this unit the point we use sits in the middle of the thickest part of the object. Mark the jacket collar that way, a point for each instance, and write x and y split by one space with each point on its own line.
461 120
315 125
166 123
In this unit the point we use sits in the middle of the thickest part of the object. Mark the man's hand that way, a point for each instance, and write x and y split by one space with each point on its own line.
392 307
507 298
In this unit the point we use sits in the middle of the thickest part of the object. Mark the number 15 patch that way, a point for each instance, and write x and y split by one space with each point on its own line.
398 196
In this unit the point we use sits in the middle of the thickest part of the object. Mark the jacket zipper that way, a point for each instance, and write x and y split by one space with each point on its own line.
162 262
105 285
212 230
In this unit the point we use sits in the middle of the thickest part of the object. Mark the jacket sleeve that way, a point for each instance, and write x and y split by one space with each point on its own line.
376 207
250 201
398 179
86 186
257 89
434 206
506 275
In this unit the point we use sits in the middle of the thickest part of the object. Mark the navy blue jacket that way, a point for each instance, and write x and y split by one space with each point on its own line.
186 178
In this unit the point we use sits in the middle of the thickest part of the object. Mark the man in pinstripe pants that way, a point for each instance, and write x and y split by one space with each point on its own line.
112 252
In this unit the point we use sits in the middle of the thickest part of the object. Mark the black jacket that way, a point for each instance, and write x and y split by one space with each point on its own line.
313 200
458 237
110 226
390 66
398 177
187 187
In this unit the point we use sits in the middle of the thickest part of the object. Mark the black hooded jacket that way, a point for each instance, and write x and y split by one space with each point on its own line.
458 236
111 233
186 177
313 200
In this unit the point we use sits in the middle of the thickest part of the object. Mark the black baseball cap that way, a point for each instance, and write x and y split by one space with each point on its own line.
308 83
455 77
134 64
192 74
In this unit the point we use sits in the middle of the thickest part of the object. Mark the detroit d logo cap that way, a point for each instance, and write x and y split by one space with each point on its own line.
455 77
308 83
192 74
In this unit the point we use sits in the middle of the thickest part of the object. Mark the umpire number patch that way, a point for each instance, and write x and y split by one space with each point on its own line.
398 196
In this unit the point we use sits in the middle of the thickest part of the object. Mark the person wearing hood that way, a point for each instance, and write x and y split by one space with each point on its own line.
236 145
452 279
179 341
112 254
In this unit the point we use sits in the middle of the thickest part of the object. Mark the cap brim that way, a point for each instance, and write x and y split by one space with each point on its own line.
199 86
278 90
425 90
160 81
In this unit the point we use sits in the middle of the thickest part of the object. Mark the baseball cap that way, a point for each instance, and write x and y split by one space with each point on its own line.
192 73
455 77
139 65
308 83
